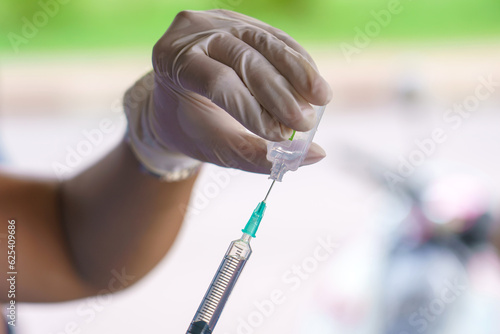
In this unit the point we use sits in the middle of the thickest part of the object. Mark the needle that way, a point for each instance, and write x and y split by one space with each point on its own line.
271 187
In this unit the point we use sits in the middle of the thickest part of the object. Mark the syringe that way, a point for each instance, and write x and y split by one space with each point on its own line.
225 278
286 155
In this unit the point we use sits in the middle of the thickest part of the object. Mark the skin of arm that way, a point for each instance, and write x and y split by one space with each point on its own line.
100 231
496 238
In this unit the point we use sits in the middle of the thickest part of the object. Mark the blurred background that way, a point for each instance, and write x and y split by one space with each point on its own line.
401 210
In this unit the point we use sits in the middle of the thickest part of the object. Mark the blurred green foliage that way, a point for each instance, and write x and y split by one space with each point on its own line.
84 24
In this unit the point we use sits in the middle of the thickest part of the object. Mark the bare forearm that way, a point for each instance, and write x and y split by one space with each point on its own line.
496 239
118 218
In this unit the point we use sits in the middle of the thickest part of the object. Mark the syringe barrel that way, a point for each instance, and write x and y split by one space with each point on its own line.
221 287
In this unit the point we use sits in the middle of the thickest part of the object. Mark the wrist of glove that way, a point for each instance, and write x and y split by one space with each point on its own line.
154 156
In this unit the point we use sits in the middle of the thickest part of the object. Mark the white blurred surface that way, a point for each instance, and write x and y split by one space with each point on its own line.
314 202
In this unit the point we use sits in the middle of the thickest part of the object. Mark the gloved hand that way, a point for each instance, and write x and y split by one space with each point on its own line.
218 72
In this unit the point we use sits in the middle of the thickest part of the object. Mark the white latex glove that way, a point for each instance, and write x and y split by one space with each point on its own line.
218 72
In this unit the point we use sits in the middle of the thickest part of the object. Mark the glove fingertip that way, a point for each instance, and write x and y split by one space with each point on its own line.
315 154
